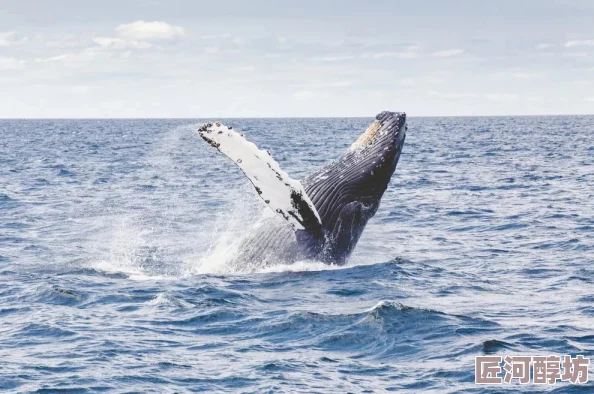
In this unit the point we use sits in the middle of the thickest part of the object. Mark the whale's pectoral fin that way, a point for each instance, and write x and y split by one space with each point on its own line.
283 195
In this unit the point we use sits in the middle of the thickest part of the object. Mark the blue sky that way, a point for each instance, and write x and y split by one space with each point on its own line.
152 58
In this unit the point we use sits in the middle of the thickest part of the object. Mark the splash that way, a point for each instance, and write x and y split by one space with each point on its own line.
128 250
139 248
232 225
166 233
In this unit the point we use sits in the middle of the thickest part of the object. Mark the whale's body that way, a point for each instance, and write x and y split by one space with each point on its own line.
325 214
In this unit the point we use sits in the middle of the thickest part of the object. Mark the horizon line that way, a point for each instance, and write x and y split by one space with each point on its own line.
289 117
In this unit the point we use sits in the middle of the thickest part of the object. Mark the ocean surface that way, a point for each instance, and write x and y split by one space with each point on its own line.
114 238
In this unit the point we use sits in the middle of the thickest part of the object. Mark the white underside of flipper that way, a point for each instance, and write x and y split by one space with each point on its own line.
283 195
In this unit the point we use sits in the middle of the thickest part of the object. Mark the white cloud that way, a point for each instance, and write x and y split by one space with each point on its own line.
575 54
339 84
79 89
336 58
522 75
509 98
589 99
238 41
304 95
242 69
139 35
433 79
407 82
527 75
64 41
399 55
452 95
544 45
10 63
51 59
499 97
448 53
118 43
579 43
8 38
214 36
281 40
211 50
149 31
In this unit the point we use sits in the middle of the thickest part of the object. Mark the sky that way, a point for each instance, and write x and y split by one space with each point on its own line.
204 59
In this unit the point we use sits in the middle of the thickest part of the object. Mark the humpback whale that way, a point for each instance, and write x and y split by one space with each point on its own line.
323 215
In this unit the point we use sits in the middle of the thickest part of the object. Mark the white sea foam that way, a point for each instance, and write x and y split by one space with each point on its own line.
169 300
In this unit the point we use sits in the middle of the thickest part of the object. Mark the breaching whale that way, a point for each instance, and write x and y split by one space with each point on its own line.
325 214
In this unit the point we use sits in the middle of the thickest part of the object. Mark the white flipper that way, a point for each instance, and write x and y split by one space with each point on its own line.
282 194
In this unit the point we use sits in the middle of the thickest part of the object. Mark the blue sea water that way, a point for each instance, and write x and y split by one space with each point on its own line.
114 236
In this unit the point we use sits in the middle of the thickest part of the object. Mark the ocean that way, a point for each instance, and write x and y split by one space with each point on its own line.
114 238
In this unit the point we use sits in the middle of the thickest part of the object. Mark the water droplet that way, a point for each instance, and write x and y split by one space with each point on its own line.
239 160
